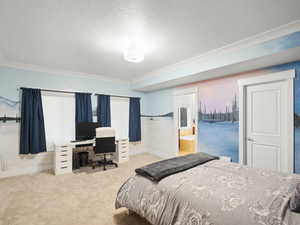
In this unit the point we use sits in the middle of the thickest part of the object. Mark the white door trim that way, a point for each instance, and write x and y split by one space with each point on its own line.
287 76
180 92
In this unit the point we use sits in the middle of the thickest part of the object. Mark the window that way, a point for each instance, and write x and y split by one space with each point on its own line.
59 116
119 108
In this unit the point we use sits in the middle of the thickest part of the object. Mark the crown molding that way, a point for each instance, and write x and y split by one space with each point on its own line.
251 41
36 68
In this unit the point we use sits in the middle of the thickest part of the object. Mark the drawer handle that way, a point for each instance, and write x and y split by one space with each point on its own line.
124 152
64 161
64 154
124 157
65 150
64 167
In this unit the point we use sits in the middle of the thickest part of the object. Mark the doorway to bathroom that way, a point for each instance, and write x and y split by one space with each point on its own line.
186 120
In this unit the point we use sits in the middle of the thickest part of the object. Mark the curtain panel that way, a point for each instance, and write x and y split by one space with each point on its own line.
103 111
134 120
83 108
32 132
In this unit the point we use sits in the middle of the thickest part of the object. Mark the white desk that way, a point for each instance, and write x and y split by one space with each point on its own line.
63 161
63 154
84 142
122 148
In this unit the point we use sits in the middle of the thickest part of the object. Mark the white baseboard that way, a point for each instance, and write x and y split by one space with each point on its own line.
140 151
25 171
28 164
161 154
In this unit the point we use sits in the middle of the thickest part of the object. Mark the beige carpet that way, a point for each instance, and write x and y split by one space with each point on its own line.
71 199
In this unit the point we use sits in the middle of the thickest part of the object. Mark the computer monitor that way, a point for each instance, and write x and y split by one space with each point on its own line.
86 130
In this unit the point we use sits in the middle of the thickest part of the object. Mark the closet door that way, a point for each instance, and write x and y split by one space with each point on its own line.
266 123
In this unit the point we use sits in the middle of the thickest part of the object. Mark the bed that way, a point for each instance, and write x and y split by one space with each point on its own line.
214 193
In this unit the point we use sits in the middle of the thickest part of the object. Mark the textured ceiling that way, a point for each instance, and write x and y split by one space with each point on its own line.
87 35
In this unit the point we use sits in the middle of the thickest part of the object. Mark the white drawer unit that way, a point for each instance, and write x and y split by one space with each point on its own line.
63 159
122 150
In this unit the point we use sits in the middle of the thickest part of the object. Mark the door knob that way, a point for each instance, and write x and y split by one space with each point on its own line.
250 139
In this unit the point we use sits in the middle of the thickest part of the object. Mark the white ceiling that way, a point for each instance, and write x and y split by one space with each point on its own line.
87 35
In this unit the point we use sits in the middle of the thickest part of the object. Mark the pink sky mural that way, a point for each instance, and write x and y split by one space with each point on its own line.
216 94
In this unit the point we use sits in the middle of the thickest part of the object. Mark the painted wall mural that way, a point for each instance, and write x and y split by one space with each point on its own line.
218 112
9 110
170 114
218 120
9 126
218 115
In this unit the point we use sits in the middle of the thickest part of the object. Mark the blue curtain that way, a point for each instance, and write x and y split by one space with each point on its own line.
103 111
83 108
32 137
134 119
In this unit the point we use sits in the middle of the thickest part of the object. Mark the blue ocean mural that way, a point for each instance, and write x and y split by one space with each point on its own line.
218 117
218 129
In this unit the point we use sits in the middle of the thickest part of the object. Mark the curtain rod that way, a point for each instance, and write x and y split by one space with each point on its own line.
59 91
73 92
118 96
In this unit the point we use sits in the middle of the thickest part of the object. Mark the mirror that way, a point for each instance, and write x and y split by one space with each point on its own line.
184 117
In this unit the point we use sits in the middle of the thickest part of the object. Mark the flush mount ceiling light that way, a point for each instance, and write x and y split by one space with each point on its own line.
134 53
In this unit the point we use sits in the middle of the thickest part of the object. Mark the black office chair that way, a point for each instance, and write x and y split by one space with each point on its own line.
105 144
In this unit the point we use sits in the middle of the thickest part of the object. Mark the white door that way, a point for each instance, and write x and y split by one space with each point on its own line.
266 113
266 121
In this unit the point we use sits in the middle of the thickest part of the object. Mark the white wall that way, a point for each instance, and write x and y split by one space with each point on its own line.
141 147
158 102
159 136
12 163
